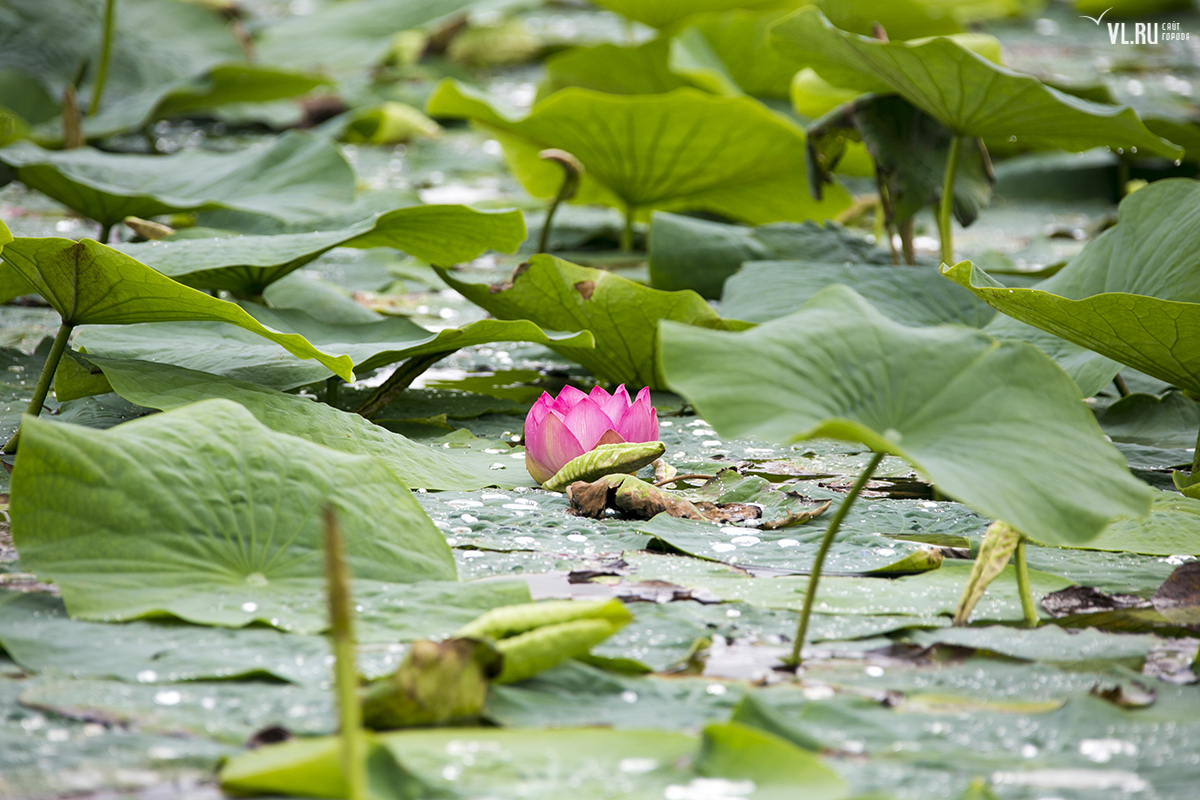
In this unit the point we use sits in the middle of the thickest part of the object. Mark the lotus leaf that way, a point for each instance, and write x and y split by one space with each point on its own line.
1132 295
766 290
89 283
166 387
205 514
993 424
246 265
697 254
219 85
297 178
343 39
221 350
721 53
685 150
966 92
623 316
155 43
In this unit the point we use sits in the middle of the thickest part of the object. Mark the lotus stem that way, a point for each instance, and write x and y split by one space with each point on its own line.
627 231
72 124
44 380
341 634
105 232
1196 458
947 201
1122 387
572 173
332 384
105 53
1024 588
397 382
835 524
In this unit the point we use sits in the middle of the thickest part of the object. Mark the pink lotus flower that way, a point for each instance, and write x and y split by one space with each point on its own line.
560 430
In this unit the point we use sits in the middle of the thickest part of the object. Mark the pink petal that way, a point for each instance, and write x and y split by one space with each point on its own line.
610 437
567 399
615 404
640 422
588 422
538 471
555 445
538 413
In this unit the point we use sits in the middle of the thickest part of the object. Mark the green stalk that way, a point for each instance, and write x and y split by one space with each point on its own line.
1024 587
1122 387
397 382
627 231
810 594
341 632
332 384
572 172
44 380
105 53
105 233
947 202
1196 458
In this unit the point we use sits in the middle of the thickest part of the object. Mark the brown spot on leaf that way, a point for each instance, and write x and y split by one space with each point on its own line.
585 289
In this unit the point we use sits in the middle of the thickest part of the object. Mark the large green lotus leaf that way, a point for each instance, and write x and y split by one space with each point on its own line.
89 283
583 763
217 86
993 424
662 13
205 514
345 38
685 150
1132 295
723 53
923 596
614 69
622 315
965 91
1145 419
246 265
222 350
767 290
166 387
1172 529
697 254
155 43
297 178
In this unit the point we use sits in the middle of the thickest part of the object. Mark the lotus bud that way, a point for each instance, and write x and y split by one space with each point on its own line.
560 430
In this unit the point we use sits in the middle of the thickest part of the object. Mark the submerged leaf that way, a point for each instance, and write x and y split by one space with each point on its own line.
993 424
686 150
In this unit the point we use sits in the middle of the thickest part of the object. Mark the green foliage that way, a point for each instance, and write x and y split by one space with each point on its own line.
246 265
995 425
686 150
205 514
966 92
622 315
89 283
297 178
1132 295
